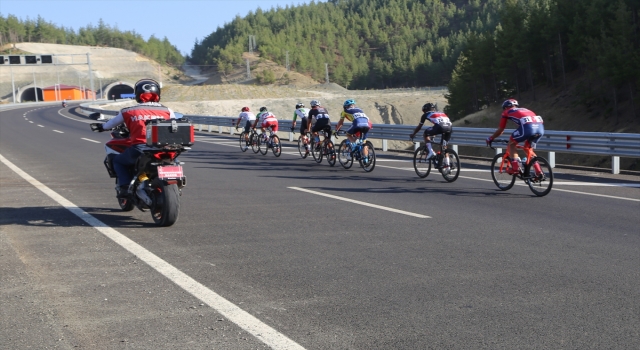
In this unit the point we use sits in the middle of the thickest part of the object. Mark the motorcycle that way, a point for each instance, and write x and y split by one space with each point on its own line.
159 178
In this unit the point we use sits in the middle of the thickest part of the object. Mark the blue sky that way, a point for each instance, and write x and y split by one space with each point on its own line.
181 21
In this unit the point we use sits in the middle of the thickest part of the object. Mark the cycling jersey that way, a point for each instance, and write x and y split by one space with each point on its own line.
356 116
267 119
319 113
247 116
520 116
300 112
435 117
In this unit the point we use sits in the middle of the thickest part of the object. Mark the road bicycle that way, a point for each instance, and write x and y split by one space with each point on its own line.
253 141
272 141
303 148
324 148
347 154
534 170
446 161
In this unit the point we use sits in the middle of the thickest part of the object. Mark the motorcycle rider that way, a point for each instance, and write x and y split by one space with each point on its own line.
147 93
64 103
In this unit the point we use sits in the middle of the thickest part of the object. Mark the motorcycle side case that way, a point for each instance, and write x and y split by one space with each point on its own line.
170 132
108 163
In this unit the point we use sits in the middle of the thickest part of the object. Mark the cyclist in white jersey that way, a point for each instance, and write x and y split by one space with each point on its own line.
249 118
301 112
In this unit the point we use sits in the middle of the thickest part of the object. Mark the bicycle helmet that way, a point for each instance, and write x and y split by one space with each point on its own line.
348 103
428 107
147 90
299 105
263 109
314 103
245 109
509 103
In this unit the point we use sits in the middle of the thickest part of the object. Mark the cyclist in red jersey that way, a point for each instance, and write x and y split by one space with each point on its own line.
530 128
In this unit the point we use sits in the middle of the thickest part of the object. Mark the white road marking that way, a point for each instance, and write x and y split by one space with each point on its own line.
58 131
91 140
243 319
362 203
30 122
597 184
42 126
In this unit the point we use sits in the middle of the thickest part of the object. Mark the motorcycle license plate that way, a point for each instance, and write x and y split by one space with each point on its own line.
170 172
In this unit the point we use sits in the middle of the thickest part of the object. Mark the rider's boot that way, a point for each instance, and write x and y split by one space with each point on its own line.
515 167
123 192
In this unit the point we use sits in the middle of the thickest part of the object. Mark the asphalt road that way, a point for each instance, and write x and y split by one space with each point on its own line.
261 258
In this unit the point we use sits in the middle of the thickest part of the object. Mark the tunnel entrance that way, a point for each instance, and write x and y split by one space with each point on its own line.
29 95
116 91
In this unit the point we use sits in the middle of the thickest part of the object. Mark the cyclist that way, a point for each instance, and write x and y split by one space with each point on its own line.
249 118
301 112
441 125
530 127
322 120
267 120
359 123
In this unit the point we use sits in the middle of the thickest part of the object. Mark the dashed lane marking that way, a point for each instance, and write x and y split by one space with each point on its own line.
362 203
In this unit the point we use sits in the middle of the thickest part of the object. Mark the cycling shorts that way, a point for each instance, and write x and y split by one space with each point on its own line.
357 130
322 124
247 126
529 131
303 125
272 124
438 129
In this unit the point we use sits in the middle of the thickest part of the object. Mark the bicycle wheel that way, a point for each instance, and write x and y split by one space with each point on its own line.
421 164
243 142
370 161
276 146
301 147
263 145
316 151
344 155
451 171
253 140
540 184
330 151
500 177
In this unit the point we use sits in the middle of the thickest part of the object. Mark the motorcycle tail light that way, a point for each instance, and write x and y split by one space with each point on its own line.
164 155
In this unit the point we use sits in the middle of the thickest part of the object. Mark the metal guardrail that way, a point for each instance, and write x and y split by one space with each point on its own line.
615 145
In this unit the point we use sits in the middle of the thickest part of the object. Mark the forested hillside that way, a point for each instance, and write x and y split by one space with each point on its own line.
14 30
483 50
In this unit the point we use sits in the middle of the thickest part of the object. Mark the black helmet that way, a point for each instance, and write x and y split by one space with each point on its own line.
428 107
509 103
299 105
263 109
144 87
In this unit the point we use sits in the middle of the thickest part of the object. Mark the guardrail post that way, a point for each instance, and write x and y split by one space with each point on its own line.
290 136
615 165
454 148
552 159
209 128
384 145
231 131
416 145
199 127
498 150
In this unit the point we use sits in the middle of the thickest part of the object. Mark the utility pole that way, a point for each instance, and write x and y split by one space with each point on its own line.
248 70
13 85
326 72
35 87
91 76
287 65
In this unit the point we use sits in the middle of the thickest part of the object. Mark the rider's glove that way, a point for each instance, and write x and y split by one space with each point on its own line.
489 140
100 127
292 128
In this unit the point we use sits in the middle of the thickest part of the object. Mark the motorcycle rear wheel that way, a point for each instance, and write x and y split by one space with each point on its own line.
166 205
